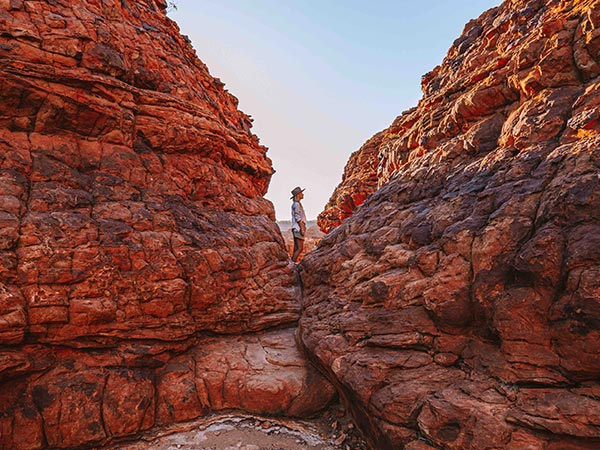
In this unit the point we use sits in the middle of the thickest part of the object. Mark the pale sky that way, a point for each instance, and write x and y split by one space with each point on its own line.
320 77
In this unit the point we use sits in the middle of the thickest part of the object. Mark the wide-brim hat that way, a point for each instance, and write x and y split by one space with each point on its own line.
296 191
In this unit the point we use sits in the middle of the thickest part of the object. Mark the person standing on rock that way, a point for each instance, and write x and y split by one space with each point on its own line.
298 222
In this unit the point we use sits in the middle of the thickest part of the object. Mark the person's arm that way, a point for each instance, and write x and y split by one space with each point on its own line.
301 218
297 215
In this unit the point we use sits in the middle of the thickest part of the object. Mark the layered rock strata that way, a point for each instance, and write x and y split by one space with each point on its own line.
459 306
358 182
133 234
79 397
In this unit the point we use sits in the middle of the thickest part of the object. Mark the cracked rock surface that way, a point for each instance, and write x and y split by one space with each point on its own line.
135 242
130 200
78 397
458 307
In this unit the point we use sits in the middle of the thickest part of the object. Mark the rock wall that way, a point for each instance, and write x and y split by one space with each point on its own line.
459 306
358 182
133 233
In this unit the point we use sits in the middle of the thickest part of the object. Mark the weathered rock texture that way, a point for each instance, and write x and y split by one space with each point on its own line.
459 306
132 224
358 182
79 397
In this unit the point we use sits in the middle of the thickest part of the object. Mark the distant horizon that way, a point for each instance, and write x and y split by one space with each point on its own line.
319 79
289 221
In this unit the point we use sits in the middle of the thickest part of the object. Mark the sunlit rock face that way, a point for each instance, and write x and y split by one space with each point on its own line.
493 90
358 182
133 224
459 306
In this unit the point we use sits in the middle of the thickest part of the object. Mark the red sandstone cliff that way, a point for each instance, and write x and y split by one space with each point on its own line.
133 234
358 182
459 306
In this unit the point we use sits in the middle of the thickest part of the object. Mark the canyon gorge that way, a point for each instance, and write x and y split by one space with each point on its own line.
454 302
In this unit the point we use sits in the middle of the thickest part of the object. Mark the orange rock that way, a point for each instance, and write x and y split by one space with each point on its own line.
132 221
459 304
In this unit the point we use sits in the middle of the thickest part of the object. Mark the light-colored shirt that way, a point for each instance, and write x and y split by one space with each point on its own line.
297 215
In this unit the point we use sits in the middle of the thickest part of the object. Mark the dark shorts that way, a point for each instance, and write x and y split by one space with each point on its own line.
297 234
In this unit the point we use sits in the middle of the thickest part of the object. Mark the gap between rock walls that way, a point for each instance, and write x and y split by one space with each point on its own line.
145 285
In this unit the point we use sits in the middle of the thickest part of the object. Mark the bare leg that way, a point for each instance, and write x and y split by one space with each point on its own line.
298 246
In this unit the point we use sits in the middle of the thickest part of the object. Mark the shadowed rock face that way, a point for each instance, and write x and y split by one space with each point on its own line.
132 224
459 306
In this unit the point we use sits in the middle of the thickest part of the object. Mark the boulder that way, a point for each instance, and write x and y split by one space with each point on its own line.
138 257
458 306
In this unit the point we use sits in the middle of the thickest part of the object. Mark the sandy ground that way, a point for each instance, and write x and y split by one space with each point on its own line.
332 431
